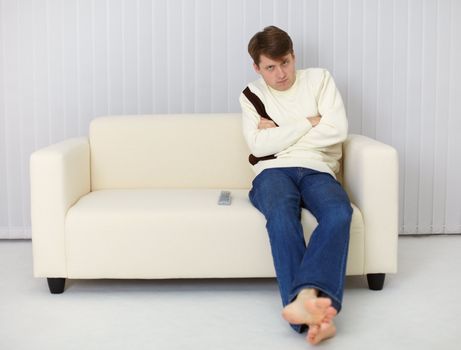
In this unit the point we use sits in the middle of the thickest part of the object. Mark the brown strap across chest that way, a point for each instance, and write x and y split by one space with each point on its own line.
261 110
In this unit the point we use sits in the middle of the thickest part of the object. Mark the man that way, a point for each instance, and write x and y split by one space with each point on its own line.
294 123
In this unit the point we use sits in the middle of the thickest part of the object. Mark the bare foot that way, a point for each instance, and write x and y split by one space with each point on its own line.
317 333
309 309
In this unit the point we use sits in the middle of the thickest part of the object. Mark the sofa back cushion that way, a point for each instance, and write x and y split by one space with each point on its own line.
169 151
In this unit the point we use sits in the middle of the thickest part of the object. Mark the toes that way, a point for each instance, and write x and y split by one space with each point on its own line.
332 311
313 330
320 333
329 315
312 333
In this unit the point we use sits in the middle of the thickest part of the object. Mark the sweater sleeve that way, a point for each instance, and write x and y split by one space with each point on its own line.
333 125
264 142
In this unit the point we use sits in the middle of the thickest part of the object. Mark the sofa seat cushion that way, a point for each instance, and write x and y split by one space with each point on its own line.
168 233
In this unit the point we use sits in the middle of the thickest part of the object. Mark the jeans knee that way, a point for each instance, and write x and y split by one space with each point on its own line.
340 215
345 213
282 208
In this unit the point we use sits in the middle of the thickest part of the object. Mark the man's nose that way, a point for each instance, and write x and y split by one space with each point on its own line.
280 72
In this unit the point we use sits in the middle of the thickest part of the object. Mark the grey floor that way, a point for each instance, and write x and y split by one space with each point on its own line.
419 308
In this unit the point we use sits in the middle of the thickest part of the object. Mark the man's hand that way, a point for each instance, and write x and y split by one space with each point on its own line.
266 124
314 120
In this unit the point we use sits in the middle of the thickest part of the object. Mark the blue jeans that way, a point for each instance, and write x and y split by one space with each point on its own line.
280 193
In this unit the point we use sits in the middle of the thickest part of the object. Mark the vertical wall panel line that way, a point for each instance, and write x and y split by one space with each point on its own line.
289 18
451 95
64 80
34 81
303 26
227 39
48 71
167 52
435 123
196 57
212 49
378 54
184 61
437 104
20 112
21 84
421 90
138 60
347 54
5 114
2 114
79 69
108 57
362 76
196 60
319 2
123 49
403 173
154 66
403 106
93 56
228 63
391 136
212 92
332 45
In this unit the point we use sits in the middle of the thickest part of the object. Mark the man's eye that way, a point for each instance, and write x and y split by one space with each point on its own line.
285 63
270 68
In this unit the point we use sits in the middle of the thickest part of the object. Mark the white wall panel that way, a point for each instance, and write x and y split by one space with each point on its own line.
340 47
426 146
175 54
188 63
442 103
219 56
308 49
62 63
355 58
399 93
12 104
160 57
237 39
453 194
4 204
414 116
326 35
385 65
369 96
203 56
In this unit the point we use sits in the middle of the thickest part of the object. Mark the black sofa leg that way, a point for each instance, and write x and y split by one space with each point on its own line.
56 285
376 280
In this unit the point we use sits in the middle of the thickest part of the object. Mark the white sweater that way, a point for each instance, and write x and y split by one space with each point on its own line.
295 142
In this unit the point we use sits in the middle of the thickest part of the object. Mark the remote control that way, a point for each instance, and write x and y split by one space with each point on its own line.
224 198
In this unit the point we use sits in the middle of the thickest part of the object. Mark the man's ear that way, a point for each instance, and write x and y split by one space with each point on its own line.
256 68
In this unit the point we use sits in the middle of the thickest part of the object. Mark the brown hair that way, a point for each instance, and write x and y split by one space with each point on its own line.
272 42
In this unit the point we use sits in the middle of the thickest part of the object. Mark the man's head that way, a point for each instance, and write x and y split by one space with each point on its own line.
273 57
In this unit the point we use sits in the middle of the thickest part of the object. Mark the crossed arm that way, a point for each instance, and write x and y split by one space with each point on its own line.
266 123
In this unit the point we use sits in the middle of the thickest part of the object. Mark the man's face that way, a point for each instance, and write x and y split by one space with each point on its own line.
278 74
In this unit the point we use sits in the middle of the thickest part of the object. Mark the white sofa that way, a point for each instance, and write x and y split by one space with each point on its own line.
137 199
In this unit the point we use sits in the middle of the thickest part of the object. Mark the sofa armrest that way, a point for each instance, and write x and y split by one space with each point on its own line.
371 179
59 176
